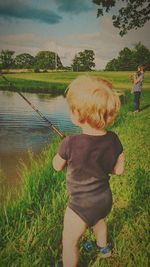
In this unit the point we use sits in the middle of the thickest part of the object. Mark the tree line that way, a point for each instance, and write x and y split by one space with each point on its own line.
44 60
128 59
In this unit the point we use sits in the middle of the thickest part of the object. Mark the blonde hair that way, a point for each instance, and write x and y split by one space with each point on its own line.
95 101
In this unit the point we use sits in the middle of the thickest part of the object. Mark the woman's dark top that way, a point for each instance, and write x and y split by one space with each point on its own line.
90 160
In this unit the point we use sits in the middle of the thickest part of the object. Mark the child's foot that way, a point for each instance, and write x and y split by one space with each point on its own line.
89 245
105 251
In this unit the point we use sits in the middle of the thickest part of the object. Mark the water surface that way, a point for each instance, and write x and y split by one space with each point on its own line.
22 129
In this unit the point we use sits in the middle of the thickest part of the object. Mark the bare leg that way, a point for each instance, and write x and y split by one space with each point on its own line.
100 231
74 227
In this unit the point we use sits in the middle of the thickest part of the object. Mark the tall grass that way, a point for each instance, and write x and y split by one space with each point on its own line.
31 226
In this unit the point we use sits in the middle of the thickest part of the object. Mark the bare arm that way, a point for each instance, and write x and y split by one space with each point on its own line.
58 163
119 167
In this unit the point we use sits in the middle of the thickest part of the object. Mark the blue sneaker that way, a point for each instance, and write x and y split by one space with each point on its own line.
89 245
105 251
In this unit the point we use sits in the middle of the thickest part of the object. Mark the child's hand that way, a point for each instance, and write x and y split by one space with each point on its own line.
119 167
58 163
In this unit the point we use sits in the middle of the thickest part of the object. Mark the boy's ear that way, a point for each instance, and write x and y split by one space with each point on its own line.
76 113
75 117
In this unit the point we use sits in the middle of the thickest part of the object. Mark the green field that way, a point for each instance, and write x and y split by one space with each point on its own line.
47 82
31 225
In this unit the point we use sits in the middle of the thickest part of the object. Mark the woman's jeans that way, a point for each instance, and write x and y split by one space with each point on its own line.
137 100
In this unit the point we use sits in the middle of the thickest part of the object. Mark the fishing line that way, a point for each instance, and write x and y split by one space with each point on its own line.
50 125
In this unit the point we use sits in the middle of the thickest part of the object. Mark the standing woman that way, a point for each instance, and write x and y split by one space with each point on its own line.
138 79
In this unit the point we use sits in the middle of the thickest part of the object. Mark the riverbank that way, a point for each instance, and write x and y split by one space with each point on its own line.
31 226
31 86
58 81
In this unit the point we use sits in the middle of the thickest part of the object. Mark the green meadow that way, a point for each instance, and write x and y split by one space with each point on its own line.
52 81
31 224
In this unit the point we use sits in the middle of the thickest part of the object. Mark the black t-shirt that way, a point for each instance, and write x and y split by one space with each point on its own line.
90 160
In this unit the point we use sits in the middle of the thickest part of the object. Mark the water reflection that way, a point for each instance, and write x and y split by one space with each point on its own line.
22 129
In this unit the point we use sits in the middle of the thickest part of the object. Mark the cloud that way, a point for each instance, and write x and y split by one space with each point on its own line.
107 43
74 7
23 10
32 44
104 40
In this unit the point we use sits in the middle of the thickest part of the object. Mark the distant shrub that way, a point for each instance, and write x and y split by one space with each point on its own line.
36 70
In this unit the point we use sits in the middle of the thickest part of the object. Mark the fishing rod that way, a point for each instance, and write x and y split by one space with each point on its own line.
50 125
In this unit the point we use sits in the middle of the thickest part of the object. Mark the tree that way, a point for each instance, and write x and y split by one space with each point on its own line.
132 14
6 59
130 59
126 60
76 63
141 55
112 65
47 60
24 61
84 61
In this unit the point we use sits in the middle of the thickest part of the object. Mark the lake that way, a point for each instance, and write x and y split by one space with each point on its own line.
22 129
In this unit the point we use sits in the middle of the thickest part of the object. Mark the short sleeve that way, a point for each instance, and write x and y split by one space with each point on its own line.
63 149
118 145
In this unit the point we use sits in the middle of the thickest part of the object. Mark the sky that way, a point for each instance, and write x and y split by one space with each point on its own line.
65 27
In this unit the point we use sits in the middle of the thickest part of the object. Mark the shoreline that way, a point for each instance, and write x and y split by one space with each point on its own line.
54 91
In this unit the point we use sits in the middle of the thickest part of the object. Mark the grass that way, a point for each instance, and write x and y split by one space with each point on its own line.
52 81
31 225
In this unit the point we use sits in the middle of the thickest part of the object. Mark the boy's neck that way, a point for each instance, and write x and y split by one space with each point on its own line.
87 129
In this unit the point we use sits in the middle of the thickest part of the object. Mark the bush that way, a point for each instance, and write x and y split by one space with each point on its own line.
36 70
